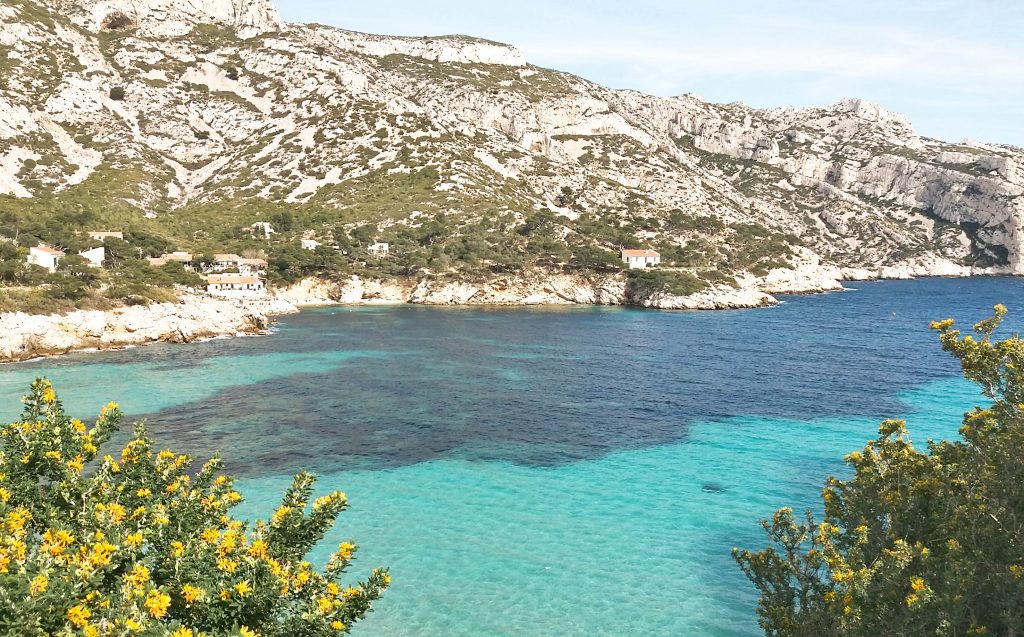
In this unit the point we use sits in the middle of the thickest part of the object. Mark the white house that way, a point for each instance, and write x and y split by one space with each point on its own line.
100 235
44 256
223 262
380 250
310 244
184 258
639 259
252 267
235 285
95 256
262 228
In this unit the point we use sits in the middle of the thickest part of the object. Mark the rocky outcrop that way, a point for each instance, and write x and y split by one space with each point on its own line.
24 336
447 49
165 18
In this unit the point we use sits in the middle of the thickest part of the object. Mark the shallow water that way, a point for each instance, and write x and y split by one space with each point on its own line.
568 471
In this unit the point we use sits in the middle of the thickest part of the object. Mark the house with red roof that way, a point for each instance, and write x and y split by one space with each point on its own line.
639 259
45 257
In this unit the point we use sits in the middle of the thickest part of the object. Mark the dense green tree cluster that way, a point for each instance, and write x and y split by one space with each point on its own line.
917 542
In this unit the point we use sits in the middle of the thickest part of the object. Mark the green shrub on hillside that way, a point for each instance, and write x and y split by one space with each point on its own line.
645 283
145 544
917 542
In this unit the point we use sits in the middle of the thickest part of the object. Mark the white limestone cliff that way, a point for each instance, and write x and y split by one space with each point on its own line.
166 18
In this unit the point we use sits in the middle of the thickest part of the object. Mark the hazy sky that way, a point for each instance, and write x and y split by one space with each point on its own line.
955 67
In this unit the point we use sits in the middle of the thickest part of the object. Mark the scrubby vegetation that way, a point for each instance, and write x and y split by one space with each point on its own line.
916 542
145 544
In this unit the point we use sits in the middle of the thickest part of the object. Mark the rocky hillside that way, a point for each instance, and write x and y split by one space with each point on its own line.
192 120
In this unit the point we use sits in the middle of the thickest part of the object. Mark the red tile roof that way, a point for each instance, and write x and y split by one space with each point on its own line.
640 253
48 250
220 279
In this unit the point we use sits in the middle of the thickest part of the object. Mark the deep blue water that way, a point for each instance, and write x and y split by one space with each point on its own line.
567 471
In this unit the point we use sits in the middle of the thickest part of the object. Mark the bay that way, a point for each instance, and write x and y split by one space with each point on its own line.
551 471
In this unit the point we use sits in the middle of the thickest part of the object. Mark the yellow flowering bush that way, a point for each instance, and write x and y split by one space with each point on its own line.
144 544
918 542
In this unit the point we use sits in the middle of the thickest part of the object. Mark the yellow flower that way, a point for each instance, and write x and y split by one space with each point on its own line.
79 615
243 588
134 540
917 583
345 550
337 625
280 515
157 603
191 593
324 605
101 552
177 548
143 493
49 395
38 585
117 512
183 632
91 631
258 549
138 576
245 631
225 594
78 426
132 624
210 536
226 565
16 521
911 599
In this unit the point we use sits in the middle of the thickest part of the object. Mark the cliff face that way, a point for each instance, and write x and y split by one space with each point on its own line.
225 108
163 18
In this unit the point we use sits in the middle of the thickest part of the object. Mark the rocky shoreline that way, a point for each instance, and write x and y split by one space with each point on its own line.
24 336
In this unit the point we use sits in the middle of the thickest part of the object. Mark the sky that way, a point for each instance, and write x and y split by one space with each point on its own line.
955 67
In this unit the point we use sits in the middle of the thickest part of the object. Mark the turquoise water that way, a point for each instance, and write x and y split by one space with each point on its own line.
580 471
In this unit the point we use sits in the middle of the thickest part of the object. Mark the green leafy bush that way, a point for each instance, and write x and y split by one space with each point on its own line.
145 545
917 542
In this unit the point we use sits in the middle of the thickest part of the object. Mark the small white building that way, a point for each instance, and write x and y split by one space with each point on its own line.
45 257
380 250
252 267
184 258
639 259
310 244
95 257
100 235
223 262
236 285
262 228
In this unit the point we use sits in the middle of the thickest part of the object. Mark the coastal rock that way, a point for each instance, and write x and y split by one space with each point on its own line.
24 336
806 278
430 292
720 298
312 291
